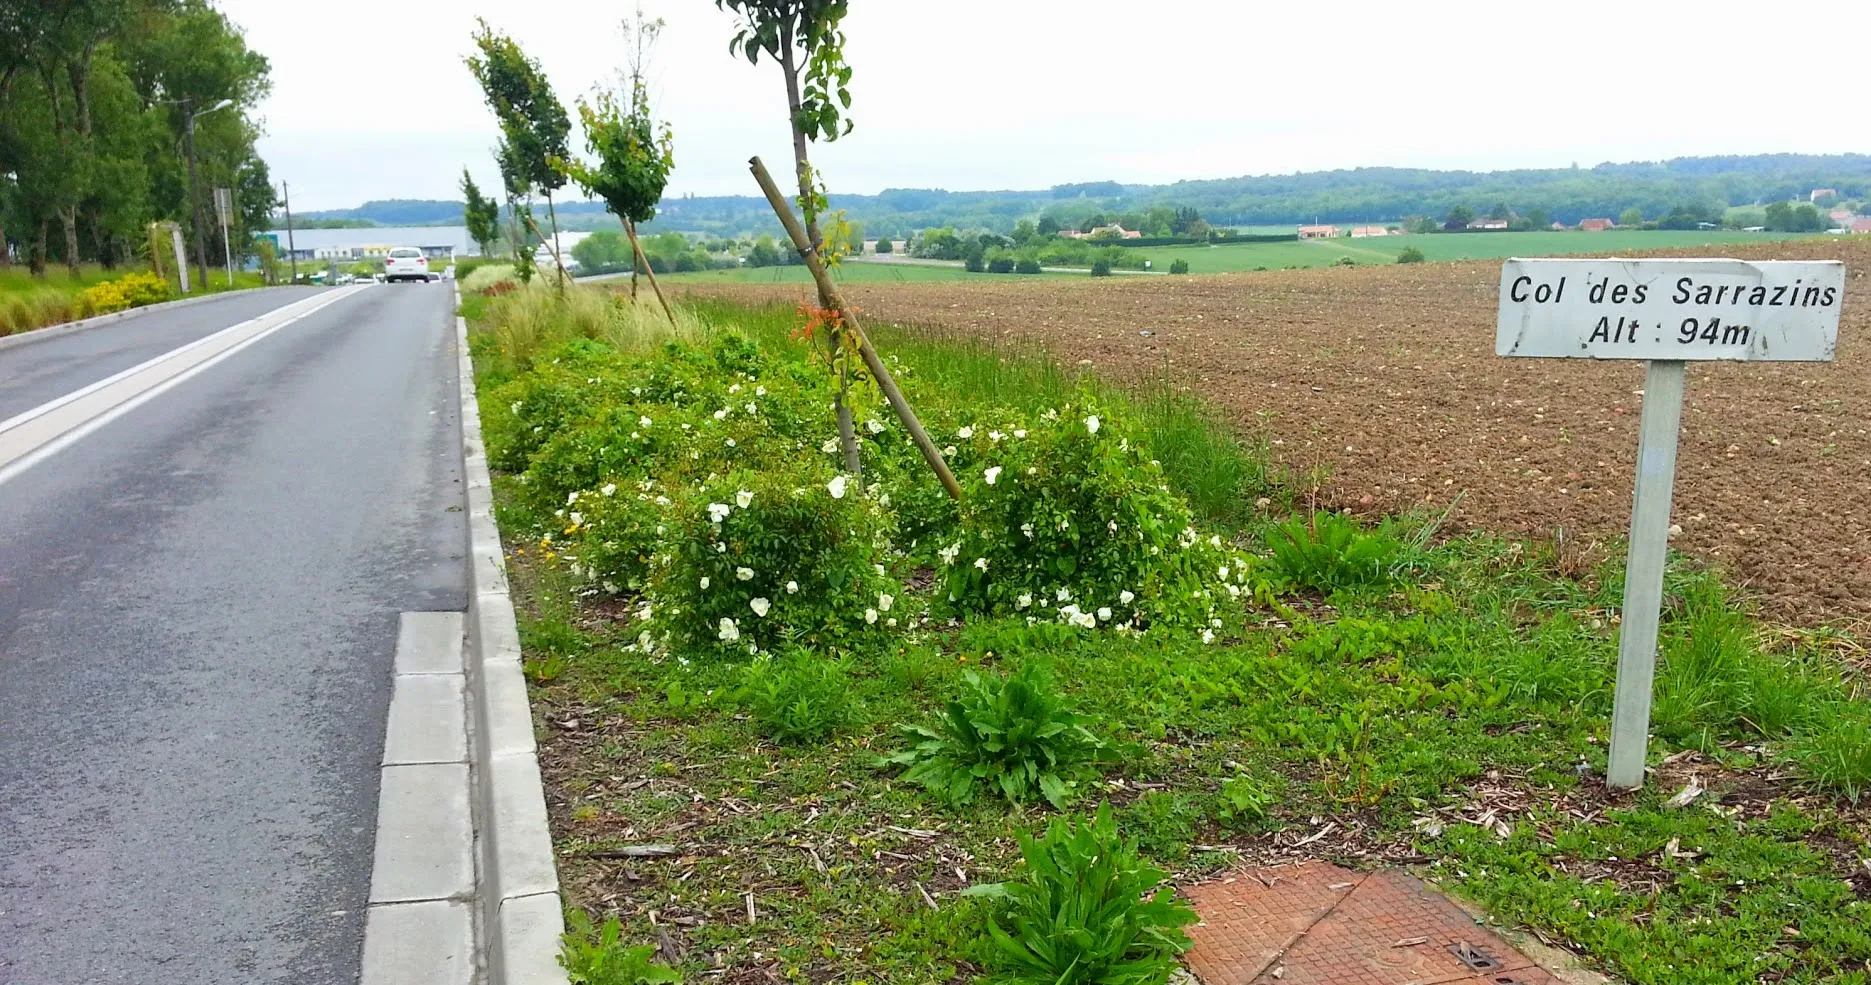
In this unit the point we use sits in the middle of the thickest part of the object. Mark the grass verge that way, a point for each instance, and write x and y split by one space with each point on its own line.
1384 696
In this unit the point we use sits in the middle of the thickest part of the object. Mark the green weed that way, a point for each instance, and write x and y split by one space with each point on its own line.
599 957
1329 552
1015 735
1087 911
799 696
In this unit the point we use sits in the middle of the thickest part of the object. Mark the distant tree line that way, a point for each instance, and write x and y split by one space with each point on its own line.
97 98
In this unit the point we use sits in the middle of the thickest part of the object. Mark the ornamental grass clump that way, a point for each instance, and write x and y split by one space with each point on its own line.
786 555
1087 910
1065 518
1015 736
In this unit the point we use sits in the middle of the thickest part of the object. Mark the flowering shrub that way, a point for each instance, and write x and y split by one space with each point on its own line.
1066 518
617 530
129 291
788 554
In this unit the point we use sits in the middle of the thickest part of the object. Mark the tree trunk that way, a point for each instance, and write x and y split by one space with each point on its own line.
38 250
631 229
69 219
6 255
802 165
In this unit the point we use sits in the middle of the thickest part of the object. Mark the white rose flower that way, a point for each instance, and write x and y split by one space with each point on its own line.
578 519
736 388
743 499
1208 636
885 600
949 553
750 408
981 563
760 391
870 616
830 446
792 588
729 631
644 422
722 414
1091 424
730 442
1104 613
1019 432
991 475
1126 596
1223 572
718 512
1025 599
610 489
760 607
1027 528
965 433
1065 594
743 574
948 452
995 436
874 426
573 498
836 487
516 407
704 583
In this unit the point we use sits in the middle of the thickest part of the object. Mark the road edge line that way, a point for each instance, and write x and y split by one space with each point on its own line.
522 914
63 329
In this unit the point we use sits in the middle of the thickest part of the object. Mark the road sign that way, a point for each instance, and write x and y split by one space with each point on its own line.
1666 312
1671 309
223 204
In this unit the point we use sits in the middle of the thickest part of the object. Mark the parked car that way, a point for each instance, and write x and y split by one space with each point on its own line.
405 263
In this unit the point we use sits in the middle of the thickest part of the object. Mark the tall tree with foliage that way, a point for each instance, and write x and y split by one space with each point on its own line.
804 37
481 214
519 211
634 153
533 122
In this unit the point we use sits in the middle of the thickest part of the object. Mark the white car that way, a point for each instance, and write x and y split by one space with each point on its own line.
405 263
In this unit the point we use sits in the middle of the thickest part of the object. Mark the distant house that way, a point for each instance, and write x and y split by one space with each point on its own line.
1861 226
1360 232
1558 227
1842 215
1819 193
1597 225
1106 231
1488 224
1318 232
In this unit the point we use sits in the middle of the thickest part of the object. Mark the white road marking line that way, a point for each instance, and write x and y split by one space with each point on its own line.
36 435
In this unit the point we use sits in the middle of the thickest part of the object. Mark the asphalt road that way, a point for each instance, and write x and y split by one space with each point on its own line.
198 612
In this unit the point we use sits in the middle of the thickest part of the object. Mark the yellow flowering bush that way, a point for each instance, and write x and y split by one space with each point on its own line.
129 291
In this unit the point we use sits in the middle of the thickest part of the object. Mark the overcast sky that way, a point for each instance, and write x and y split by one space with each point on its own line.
371 99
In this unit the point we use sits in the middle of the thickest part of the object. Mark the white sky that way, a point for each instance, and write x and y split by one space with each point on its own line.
371 99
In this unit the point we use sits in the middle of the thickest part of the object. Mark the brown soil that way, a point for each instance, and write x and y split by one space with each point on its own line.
1386 378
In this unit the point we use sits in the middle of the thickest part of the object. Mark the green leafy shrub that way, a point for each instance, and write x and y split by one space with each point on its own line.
1101 267
1344 262
790 553
1068 519
1179 267
599 957
975 263
1245 801
1329 552
1016 735
1000 265
1026 265
1410 254
799 696
618 530
1087 911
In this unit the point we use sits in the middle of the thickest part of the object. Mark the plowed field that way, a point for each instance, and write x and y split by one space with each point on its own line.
1386 376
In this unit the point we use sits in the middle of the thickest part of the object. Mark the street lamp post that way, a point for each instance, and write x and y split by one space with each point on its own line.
194 198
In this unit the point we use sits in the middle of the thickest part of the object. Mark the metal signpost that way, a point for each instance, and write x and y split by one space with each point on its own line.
181 257
223 205
1668 313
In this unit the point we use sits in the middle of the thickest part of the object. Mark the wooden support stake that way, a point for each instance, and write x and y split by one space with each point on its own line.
885 382
637 249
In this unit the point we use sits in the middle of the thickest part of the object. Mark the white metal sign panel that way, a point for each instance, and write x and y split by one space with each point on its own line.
1671 309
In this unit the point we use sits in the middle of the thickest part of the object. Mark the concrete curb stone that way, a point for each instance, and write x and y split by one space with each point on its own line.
521 913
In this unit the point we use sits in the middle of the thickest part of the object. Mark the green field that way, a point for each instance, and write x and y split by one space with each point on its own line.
850 272
1438 246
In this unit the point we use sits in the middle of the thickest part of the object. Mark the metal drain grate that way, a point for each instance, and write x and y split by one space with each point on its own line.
1476 959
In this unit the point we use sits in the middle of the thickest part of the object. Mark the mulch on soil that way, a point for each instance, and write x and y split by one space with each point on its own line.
1385 378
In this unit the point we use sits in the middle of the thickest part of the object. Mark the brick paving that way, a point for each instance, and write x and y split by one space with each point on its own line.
1318 924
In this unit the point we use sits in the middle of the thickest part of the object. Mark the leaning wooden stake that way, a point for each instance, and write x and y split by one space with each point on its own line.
885 382
637 249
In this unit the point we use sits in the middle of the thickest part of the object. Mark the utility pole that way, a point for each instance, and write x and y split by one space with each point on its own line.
224 204
292 253
194 198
